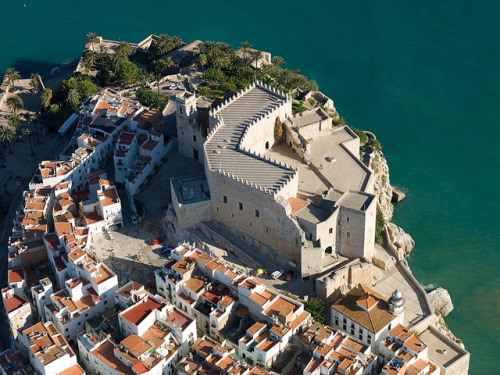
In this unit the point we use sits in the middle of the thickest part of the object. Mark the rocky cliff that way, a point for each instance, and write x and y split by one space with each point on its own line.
401 240
382 184
441 301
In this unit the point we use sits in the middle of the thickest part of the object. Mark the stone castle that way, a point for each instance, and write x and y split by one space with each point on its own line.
287 185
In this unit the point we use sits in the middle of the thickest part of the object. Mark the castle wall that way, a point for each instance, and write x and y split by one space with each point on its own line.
273 227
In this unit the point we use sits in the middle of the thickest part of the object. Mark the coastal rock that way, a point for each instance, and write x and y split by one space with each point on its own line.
382 259
397 194
382 184
401 240
441 301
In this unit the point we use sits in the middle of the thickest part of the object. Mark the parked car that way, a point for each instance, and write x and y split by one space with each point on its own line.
157 240
289 275
166 250
277 274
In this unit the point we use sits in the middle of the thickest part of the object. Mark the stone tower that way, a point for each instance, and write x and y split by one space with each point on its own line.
185 105
396 303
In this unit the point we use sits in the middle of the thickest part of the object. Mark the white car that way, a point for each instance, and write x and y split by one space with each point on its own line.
277 274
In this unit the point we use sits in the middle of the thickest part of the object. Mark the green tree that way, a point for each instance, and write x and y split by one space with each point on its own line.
127 71
45 98
12 76
246 48
256 56
164 44
35 81
202 60
379 226
88 60
151 99
92 39
7 135
15 103
73 98
316 307
27 133
278 61
124 50
375 145
15 121
34 121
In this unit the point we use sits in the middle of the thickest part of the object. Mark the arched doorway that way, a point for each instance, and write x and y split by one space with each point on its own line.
329 250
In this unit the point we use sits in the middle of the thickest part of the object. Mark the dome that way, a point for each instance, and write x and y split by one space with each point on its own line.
397 294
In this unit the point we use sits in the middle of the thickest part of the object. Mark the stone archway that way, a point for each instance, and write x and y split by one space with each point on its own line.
329 250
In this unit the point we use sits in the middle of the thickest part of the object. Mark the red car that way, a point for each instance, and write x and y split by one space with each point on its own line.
289 275
157 240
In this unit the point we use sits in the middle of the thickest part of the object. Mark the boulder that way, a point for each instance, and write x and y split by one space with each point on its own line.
401 240
441 301
382 259
397 194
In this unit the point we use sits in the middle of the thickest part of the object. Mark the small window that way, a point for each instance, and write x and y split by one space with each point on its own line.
250 223
232 215
257 213
194 138
105 302
347 219
240 206
348 234
217 208
330 230
224 199
67 329
79 323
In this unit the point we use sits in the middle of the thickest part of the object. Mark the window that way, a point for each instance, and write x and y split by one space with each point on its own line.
180 110
105 302
330 230
79 323
250 223
352 331
336 321
257 213
224 199
232 215
194 138
217 208
347 219
360 335
348 234
67 329
240 206
369 339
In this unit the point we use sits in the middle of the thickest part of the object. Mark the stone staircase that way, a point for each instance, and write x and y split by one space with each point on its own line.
285 361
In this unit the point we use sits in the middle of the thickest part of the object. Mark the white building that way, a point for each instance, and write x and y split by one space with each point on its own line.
364 314
18 310
48 350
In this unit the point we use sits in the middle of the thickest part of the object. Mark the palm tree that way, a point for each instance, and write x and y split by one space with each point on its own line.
7 135
92 39
14 121
89 59
158 77
246 48
159 65
15 103
202 59
35 78
45 98
73 98
34 120
27 133
256 56
278 61
221 59
169 63
12 76
124 50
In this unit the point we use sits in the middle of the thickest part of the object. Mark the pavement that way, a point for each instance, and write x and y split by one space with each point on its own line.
415 305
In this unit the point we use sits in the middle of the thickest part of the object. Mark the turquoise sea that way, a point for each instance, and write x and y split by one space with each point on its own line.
423 75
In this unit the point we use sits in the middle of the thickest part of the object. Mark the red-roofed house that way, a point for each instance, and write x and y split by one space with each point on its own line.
18 310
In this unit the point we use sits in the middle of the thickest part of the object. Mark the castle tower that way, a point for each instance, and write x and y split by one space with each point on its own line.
185 105
396 303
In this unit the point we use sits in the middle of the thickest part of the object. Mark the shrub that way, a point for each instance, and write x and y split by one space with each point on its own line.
316 307
204 91
311 101
379 225
375 145
228 86
151 99
363 138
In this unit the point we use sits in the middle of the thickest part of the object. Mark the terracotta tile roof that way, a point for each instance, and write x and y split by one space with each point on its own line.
105 352
297 204
73 370
149 145
256 328
374 320
16 276
14 302
108 197
63 227
136 345
282 308
141 310
194 284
